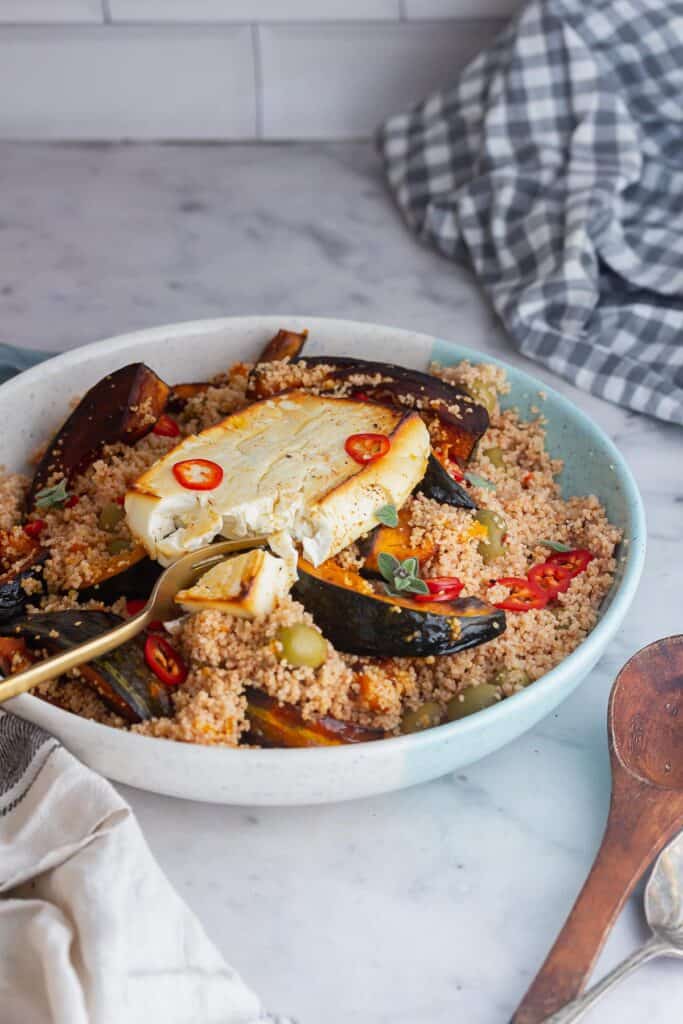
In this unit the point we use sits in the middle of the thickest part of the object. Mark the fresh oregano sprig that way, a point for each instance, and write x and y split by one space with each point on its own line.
555 545
49 497
387 515
401 577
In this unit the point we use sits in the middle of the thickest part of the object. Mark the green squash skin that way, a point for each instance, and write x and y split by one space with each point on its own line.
123 670
361 624
438 485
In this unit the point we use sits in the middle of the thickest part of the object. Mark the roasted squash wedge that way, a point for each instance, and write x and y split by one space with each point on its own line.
282 725
121 678
123 406
284 345
359 618
394 540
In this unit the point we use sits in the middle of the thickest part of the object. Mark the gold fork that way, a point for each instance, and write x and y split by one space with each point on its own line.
160 607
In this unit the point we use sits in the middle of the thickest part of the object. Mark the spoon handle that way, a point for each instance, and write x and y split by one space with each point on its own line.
52 667
640 824
578 1007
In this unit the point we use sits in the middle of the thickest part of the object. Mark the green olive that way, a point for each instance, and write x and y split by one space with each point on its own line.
425 716
511 677
301 645
495 457
484 394
474 698
110 516
117 545
491 547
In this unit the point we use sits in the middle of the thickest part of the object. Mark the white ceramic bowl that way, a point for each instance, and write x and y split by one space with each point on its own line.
38 401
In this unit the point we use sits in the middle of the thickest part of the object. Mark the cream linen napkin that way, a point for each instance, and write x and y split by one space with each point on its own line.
91 932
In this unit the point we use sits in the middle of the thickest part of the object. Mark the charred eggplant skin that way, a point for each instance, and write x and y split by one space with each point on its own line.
357 621
121 678
439 485
123 406
134 582
22 559
282 725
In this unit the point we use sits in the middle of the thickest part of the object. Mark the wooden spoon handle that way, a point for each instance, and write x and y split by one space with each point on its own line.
639 826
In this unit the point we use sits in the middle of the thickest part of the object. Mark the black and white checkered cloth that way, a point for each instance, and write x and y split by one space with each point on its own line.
554 166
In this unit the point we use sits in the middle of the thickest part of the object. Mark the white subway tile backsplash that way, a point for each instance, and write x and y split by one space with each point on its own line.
253 10
108 82
461 8
50 11
340 81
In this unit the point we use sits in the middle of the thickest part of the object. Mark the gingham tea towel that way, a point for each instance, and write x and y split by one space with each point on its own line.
555 166
91 932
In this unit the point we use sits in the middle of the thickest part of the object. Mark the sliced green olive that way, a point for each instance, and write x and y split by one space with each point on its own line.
474 698
511 677
484 394
110 516
495 456
425 716
301 645
491 546
117 545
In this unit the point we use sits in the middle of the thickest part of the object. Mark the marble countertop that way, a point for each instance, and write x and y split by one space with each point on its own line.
431 906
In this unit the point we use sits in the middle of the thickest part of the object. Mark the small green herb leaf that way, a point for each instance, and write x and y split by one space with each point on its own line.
554 545
479 481
418 586
51 496
387 515
387 566
410 566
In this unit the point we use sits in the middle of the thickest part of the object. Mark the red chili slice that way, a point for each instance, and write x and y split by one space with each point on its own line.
198 474
72 500
366 448
551 579
121 500
166 426
35 528
573 561
524 595
166 663
441 588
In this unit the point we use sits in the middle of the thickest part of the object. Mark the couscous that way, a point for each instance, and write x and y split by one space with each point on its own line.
498 577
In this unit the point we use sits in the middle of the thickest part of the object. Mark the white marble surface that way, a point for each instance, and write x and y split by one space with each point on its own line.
431 906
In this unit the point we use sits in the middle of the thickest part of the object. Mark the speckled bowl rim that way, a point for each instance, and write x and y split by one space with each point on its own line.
572 669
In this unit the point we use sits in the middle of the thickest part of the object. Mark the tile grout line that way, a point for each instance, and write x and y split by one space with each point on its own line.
258 80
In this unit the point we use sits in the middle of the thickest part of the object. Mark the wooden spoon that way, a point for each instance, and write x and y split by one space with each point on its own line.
645 732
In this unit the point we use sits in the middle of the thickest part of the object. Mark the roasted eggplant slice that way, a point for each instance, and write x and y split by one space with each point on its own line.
123 406
394 540
21 559
284 345
358 618
282 725
121 678
457 422
132 576
439 485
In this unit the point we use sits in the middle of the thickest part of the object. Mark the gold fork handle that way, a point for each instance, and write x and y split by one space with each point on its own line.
59 663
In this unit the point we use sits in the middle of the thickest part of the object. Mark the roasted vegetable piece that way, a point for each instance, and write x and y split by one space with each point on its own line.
359 618
21 559
284 345
180 394
439 485
121 677
394 540
123 406
456 420
283 725
131 574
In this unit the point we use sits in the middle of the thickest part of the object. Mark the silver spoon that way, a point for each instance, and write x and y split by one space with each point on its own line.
664 913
